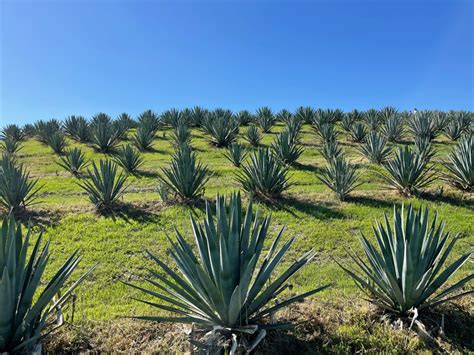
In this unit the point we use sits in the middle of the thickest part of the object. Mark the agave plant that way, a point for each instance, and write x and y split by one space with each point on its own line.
407 172
305 114
440 120
422 125
28 130
460 165
57 142
235 154
73 161
181 135
150 119
265 119
373 119
253 136
326 131
293 127
331 150
358 132
328 116
340 176
12 132
104 136
17 191
104 185
128 158
264 175
186 176
10 145
44 130
285 148
144 136
244 118
31 307
224 287
393 128
407 270
349 118
126 121
423 148
77 128
466 119
454 129
197 116
286 116
223 129
174 118
375 148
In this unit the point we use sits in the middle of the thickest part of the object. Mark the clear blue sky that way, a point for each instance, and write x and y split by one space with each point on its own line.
81 57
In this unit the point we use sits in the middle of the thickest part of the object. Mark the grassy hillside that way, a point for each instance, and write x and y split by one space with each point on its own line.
308 210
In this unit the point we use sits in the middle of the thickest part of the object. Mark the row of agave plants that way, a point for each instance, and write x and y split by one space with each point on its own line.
227 285
265 174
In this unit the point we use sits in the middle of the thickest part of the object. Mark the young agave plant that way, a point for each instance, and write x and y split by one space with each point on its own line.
181 136
286 116
104 136
265 119
10 145
126 121
186 176
235 154
331 150
373 119
225 287
407 270
57 142
253 136
28 130
44 130
128 158
466 119
173 118
460 165
326 131
349 118
197 116
71 124
264 175
122 125
79 129
454 129
150 119
422 125
223 129
244 118
30 306
73 161
144 136
358 132
327 116
293 127
285 148
17 191
440 120
375 148
393 129
407 172
305 114
340 176
104 186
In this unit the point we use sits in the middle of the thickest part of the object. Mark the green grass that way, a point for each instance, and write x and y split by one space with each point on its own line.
308 210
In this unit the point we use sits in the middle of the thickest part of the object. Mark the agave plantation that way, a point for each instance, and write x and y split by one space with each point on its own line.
118 186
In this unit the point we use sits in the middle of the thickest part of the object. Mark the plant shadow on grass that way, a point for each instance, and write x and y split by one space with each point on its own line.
372 202
148 174
307 167
42 217
452 200
128 212
316 210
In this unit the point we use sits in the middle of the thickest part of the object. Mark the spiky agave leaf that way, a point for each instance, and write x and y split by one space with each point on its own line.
244 117
285 148
422 125
373 119
235 154
198 114
73 160
29 304
293 127
264 175
375 148
57 142
222 128
17 190
460 165
393 128
227 283
440 120
349 118
253 136
466 119
126 121
340 176
144 136
28 130
286 116
181 135
173 118
150 119
407 172
423 148
128 158
265 119
77 128
305 114
104 135
326 131
327 116
13 132
104 186
331 150
454 128
45 129
186 176
358 132
10 145
407 270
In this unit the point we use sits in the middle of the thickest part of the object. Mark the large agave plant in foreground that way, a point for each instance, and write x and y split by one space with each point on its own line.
104 185
460 165
408 172
225 287
406 272
186 176
17 191
25 312
264 175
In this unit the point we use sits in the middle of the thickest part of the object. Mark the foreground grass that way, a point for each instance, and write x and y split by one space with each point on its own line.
308 210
